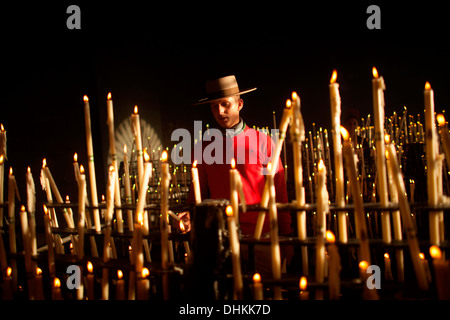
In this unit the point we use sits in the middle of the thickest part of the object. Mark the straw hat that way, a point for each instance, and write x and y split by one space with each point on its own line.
222 88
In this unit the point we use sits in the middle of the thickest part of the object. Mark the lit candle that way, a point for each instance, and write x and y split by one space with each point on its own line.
136 125
334 266
3 141
49 240
90 281
7 293
143 285
12 189
137 244
433 173
143 190
426 268
165 181
303 284
26 240
128 198
441 273
196 183
235 253
31 207
258 293
81 211
322 209
335 102
39 286
91 163
112 146
56 291
445 137
120 286
387 267
2 180
368 294
360 222
378 88
405 211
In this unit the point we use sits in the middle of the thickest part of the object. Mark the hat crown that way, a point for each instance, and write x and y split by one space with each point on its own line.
222 84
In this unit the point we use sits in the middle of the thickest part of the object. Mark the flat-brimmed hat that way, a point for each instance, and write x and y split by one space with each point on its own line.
222 88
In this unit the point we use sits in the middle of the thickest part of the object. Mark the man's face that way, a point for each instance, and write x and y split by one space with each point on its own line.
226 111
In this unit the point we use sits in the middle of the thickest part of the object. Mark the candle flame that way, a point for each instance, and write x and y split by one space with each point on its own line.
256 277
81 169
90 267
194 164
28 169
182 227
435 252
8 271
229 211
363 265
111 168
233 163
421 256
57 283
45 209
269 167
38 271
140 218
288 103
125 149
2 128
294 96
386 255
333 77
1 158
22 208
119 274
344 133
10 171
164 156
145 272
427 86
67 198
440 119
386 138
303 283
85 98
321 165
75 157
146 156
375 72
44 163
330 236
135 109
109 97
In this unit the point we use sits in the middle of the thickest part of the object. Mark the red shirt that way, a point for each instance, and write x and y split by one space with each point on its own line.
252 150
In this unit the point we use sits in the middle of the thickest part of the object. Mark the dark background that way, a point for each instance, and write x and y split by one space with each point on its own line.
159 56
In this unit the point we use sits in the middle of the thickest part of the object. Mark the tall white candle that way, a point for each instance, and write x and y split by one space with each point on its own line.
31 207
81 211
2 180
258 293
235 253
127 183
334 267
136 125
322 210
378 88
165 181
91 164
196 183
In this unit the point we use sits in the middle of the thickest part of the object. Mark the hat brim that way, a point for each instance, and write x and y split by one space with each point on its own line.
208 100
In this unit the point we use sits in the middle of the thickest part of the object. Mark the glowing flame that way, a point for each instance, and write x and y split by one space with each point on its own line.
85 98
269 166
119 274
363 265
145 272
387 138
2 128
303 283
111 168
75 157
90 267
10 171
22 208
164 156
8 271
386 255
57 283
229 211
330 236
67 198
333 77
194 164
146 156
421 256
44 163
81 169
321 165
45 209
38 271
233 163
440 119
427 86
182 227
135 109
140 218
344 133
256 277
125 149
1 159
294 96
435 252
109 97
28 169
375 72
288 103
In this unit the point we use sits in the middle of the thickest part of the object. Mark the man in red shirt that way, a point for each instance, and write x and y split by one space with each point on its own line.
251 149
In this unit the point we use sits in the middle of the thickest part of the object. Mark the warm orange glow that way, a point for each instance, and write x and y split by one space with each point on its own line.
421 256
164 156
182 227
229 211
125 149
427 86
288 103
256 277
67 199
111 168
85 98
44 163
303 283
375 72
269 166
8 271
146 156
109 97
90 267
363 265
330 236
194 164
75 157
119 274
22 208
81 169
2 128
135 109
145 272
333 77
386 255
294 96
140 218
435 252
233 163
1 158
38 271
321 165
28 169
440 119
45 209
10 171
344 133
387 139
57 283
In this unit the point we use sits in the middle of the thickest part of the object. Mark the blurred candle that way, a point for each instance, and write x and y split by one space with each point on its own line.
441 273
258 293
235 253
334 266
90 281
303 284
196 183
143 285
120 287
